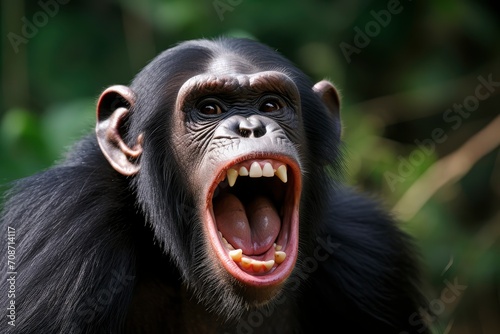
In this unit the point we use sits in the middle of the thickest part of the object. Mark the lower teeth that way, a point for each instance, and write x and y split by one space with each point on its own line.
252 264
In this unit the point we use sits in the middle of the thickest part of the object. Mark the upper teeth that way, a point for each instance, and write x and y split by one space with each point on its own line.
257 171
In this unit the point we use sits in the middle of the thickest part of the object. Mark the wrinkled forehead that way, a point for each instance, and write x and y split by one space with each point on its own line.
230 64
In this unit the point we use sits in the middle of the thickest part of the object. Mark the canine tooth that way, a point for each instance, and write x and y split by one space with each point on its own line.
279 256
232 175
236 255
255 170
243 171
277 247
281 173
268 170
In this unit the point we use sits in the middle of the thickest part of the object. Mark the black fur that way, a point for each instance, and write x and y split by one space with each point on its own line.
98 252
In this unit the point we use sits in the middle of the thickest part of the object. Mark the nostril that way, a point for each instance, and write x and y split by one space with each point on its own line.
245 133
251 127
259 132
254 132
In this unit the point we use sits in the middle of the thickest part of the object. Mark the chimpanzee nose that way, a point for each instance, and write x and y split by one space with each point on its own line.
251 127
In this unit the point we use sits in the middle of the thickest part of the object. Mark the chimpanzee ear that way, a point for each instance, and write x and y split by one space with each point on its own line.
329 95
112 109
327 92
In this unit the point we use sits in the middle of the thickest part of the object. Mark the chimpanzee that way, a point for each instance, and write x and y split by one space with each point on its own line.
210 199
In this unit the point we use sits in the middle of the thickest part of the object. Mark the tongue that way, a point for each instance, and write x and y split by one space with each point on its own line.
253 227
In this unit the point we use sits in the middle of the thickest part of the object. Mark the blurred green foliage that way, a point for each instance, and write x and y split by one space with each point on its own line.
408 69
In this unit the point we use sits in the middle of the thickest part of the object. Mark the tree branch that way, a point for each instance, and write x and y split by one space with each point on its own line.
448 169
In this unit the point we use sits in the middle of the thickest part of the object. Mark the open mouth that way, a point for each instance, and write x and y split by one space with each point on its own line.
252 213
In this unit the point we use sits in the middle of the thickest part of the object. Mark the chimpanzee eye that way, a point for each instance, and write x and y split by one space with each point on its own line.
211 108
270 104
